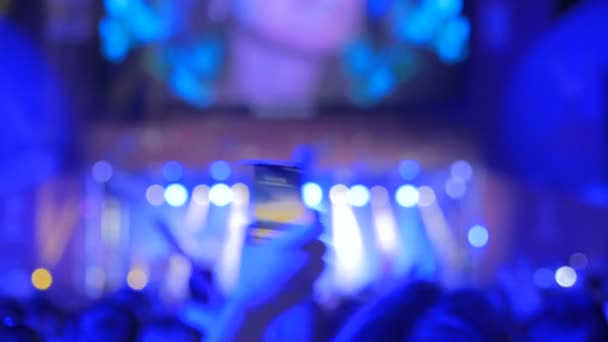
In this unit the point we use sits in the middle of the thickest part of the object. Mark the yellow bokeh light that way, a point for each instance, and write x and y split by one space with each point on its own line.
137 279
42 279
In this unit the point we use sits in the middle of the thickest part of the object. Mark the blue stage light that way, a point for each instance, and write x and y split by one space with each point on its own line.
115 39
312 195
478 236
102 171
176 195
419 27
220 194
448 8
565 276
117 8
451 44
172 171
358 196
462 170
407 196
187 86
409 169
220 170
382 82
206 58
359 58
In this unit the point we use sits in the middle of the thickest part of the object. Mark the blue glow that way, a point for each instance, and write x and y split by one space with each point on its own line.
220 194
478 236
378 8
382 82
172 171
565 276
115 40
206 58
146 24
452 43
312 195
192 90
102 171
455 188
176 195
448 8
407 196
419 28
220 170
359 57
8 321
358 196
409 169
117 8
462 170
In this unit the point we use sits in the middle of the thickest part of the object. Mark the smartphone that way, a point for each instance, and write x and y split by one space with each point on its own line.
276 201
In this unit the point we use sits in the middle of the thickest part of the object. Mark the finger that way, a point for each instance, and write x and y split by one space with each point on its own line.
314 249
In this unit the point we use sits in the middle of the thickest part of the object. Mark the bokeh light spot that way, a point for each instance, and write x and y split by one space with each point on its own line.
478 236
358 195
137 279
42 279
155 195
312 194
176 195
220 195
565 276
407 196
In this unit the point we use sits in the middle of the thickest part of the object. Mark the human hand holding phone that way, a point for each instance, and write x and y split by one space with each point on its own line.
274 276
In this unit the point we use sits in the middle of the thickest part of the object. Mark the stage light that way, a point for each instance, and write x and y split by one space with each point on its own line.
220 170
579 261
379 196
382 82
146 23
102 171
455 188
155 195
359 57
176 195
409 169
117 8
42 279
186 84
115 39
426 196
543 278
94 280
200 195
137 279
462 170
220 195
172 171
358 196
240 194
407 196
478 236
312 195
449 8
451 44
347 241
338 194
565 276
420 27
